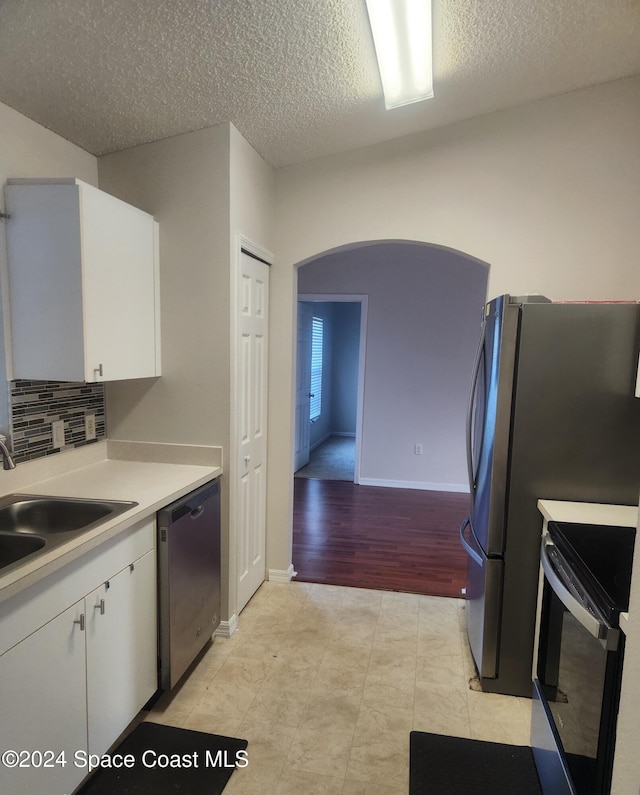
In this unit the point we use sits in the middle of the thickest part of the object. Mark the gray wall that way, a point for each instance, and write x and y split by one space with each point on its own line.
321 428
424 310
340 369
346 349
205 188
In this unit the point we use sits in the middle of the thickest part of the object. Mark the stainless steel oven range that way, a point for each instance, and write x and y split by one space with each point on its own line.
587 578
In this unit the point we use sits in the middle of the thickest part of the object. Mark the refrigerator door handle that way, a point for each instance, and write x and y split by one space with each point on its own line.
474 386
467 546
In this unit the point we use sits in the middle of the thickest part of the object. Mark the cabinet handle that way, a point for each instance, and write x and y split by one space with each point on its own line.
80 621
131 567
98 370
100 607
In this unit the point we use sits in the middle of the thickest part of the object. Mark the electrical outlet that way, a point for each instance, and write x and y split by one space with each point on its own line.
89 426
417 449
57 430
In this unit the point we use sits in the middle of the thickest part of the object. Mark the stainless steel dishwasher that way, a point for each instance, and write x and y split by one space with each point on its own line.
188 579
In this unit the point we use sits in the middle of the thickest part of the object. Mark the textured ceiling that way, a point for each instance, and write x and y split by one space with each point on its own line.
297 77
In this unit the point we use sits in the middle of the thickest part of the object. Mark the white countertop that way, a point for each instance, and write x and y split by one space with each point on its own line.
591 513
150 475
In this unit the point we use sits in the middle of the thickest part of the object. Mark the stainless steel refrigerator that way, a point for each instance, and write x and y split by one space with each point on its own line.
553 415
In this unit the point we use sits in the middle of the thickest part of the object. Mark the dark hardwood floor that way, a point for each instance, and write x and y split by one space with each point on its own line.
371 537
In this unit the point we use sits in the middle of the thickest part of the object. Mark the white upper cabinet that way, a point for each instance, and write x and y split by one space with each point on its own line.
83 283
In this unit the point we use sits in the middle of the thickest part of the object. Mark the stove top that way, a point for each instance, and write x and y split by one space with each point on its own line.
601 556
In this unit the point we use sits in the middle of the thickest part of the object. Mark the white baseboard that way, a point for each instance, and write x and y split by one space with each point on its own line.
227 628
282 575
415 484
320 441
328 436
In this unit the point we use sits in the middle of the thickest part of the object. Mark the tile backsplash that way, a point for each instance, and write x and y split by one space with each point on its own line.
36 404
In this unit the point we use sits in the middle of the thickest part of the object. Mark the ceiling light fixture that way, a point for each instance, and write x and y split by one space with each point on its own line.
402 37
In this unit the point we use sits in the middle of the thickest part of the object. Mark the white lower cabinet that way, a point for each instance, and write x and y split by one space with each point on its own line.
74 683
42 681
122 671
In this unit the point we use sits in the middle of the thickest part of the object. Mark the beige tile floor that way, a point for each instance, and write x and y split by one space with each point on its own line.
327 682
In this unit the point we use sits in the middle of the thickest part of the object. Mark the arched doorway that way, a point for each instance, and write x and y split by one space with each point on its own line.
424 310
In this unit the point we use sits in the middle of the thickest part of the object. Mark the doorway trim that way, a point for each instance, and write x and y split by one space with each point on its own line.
363 300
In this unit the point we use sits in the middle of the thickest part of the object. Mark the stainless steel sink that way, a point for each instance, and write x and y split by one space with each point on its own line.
15 546
33 524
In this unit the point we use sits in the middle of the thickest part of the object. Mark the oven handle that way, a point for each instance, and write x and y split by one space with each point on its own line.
596 627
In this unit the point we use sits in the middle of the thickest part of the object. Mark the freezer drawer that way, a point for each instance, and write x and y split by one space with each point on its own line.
484 603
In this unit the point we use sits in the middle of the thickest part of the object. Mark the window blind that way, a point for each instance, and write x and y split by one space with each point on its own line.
317 334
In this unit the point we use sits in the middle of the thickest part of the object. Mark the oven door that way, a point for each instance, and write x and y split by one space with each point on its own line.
576 693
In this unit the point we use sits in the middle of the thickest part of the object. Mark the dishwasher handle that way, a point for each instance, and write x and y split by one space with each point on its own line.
191 504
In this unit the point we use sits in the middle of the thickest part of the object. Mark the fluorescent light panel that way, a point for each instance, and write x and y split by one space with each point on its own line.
402 37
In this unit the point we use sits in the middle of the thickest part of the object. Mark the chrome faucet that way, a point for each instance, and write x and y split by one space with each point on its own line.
7 460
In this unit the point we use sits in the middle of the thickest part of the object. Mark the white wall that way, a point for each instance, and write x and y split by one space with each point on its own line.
251 194
29 150
252 221
184 183
205 188
547 193
423 323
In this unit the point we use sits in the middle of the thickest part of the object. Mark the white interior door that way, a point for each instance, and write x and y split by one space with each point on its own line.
303 385
252 425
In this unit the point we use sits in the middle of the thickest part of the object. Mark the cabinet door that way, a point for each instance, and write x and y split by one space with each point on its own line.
119 271
121 651
83 284
44 260
43 692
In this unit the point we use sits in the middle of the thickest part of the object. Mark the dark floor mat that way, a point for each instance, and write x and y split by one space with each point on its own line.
455 766
206 762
